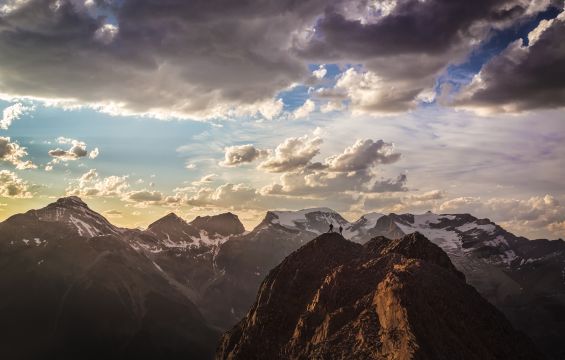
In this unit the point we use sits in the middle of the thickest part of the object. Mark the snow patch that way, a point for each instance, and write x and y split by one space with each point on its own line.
487 228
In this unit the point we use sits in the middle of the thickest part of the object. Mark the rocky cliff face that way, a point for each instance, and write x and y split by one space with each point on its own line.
401 299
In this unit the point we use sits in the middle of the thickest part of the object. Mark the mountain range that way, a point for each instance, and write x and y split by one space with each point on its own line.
77 285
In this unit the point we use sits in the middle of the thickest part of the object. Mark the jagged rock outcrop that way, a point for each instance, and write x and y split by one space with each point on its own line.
401 299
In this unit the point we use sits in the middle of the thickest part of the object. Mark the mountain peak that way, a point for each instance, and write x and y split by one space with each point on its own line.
170 218
75 215
224 224
71 201
312 220
343 300
414 246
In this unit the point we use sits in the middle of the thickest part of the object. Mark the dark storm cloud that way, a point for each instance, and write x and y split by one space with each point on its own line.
180 56
408 48
523 77
203 58
411 27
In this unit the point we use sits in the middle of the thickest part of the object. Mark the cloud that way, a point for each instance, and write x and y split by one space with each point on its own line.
224 196
333 105
523 77
294 153
304 110
393 202
13 153
369 93
363 155
94 153
320 73
206 179
106 33
75 152
144 196
402 46
91 184
218 58
427 196
535 215
13 113
352 171
241 154
113 213
11 186
204 60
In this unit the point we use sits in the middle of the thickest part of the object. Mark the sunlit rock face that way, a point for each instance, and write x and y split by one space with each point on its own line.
388 299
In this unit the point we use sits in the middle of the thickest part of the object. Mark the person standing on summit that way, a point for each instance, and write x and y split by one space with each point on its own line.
331 228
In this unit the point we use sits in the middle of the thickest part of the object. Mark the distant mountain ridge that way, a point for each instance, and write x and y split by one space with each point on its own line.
73 287
220 272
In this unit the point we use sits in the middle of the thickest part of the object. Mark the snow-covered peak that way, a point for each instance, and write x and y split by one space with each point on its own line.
315 220
77 216
369 220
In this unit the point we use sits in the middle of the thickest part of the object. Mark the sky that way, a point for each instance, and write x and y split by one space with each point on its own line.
145 107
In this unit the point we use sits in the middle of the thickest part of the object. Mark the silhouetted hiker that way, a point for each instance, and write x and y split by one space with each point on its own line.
331 228
340 230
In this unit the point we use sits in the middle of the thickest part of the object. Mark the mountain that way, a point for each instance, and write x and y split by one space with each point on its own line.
187 251
401 299
523 278
173 231
74 287
219 273
246 260
76 216
225 224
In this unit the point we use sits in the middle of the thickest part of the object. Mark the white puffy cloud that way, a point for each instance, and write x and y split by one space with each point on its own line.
320 72
11 186
94 153
352 171
224 196
332 105
304 110
241 154
91 184
362 155
13 153
367 92
13 113
294 153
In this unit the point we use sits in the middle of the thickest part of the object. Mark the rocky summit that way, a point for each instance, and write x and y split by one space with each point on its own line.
387 299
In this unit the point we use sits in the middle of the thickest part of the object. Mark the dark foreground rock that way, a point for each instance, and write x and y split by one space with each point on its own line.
387 299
